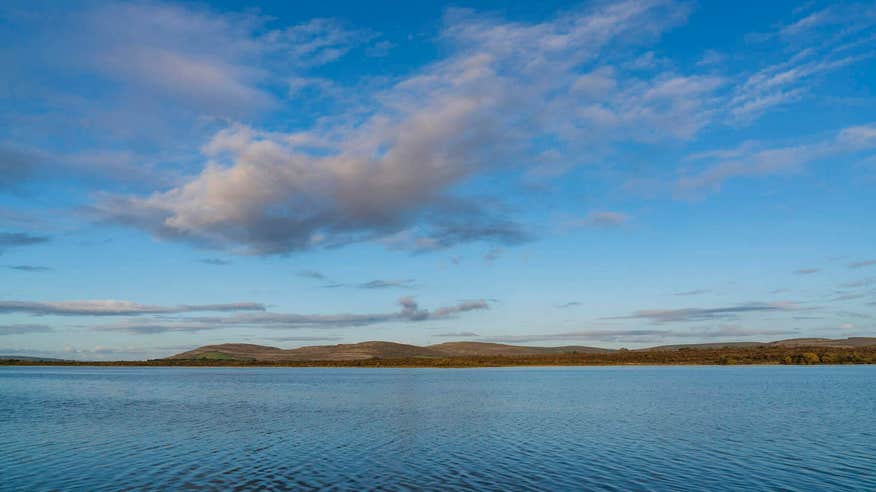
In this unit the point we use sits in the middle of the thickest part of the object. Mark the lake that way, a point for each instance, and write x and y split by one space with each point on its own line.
581 428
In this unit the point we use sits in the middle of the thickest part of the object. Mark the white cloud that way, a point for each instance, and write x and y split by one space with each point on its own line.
750 160
409 311
600 219
392 175
115 308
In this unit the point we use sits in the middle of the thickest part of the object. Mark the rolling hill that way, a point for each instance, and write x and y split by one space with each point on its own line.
392 350
371 350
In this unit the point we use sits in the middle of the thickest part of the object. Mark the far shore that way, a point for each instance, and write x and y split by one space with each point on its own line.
684 357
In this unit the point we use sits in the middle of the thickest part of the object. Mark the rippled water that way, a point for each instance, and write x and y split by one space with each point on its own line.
670 428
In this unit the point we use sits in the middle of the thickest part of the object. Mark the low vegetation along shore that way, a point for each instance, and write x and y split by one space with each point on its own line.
474 354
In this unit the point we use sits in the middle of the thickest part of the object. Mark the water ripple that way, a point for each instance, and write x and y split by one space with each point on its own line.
648 429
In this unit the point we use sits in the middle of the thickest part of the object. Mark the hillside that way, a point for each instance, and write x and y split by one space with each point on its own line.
391 350
371 350
482 349
852 342
354 351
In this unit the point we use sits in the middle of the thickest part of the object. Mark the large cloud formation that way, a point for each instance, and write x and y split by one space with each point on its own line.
393 175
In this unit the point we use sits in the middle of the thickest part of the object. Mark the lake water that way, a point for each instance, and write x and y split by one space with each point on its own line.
615 428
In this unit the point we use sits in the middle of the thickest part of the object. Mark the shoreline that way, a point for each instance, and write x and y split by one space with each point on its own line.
699 357
128 364
724 356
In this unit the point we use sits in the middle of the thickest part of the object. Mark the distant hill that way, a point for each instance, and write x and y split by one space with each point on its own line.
791 342
355 351
371 350
483 349
391 350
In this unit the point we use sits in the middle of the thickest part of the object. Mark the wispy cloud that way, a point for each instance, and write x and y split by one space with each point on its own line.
859 283
410 312
695 292
807 271
215 261
600 219
640 336
705 314
304 339
750 160
592 335
18 239
386 284
29 268
461 334
369 285
17 166
569 305
493 254
21 329
816 44
312 274
115 308
862 263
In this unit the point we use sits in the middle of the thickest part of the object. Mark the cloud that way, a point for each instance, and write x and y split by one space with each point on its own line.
749 160
394 175
569 305
115 308
215 261
692 292
805 24
316 42
313 274
493 254
101 352
194 57
370 285
807 271
859 283
410 312
849 296
601 219
862 263
201 59
18 239
597 335
151 77
731 331
29 268
16 167
834 22
21 329
462 307
816 44
705 314
461 334
385 284
304 339
638 336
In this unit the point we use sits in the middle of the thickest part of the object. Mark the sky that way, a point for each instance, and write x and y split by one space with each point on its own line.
614 174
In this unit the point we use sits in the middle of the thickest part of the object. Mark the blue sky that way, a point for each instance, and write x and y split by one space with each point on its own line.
628 173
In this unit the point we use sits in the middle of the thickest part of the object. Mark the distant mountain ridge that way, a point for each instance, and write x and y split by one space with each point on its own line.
392 350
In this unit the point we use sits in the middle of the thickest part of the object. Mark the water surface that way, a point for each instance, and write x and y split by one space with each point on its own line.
614 428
